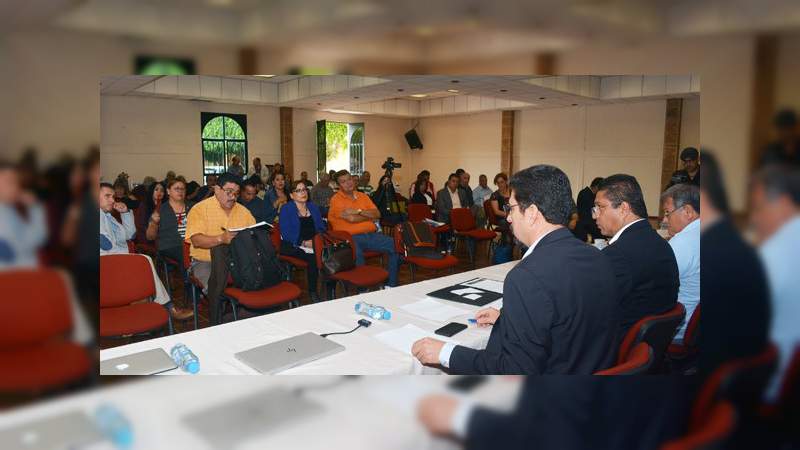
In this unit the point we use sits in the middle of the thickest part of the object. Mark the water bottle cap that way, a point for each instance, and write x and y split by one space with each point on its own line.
387 315
193 367
358 307
123 438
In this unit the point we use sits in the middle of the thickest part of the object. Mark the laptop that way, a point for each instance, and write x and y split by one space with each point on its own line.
73 429
287 353
148 362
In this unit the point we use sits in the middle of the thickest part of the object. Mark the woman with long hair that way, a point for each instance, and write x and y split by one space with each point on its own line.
300 220
277 196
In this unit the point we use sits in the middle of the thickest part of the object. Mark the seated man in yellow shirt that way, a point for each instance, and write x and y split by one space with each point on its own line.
354 212
208 221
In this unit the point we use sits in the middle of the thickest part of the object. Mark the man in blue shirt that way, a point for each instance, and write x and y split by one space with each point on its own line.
250 200
20 237
114 235
681 204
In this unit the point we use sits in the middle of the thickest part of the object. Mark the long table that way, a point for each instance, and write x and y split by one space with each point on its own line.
364 354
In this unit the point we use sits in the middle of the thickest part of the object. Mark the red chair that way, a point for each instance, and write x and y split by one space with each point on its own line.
418 212
35 318
715 431
125 279
657 331
689 346
293 262
465 229
360 277
448 262
491 217
283 292
637 362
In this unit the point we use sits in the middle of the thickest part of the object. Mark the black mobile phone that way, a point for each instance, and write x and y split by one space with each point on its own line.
450 329
467 383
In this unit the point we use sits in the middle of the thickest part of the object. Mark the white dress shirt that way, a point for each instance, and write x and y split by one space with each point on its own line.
455 198
618 233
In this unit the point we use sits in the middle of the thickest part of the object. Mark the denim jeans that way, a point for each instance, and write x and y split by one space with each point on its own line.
379 243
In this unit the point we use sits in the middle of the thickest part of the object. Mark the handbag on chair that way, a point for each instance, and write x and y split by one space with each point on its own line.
337 255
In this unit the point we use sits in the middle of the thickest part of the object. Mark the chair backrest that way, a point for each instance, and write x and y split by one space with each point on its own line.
418 212
35 306
491 218
125 279
461 219
657 330
187 259
638 362
692 329
275 237
742 382
717 428
319 243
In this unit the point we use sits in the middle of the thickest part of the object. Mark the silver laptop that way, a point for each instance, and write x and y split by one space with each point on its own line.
148 362
284 354
73 429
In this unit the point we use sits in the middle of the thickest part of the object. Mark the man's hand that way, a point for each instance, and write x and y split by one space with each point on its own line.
486 317
155 217
349 212
427 350
121 208
436 412
227 237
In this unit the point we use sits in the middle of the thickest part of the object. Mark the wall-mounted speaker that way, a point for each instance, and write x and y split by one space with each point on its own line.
413 139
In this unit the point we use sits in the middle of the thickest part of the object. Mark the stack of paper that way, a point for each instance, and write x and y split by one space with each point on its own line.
403 338
436 311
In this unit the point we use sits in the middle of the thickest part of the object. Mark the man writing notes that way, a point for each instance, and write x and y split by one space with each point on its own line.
554 321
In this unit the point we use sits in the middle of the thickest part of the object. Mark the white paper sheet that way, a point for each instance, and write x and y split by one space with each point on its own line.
259 224
465 291
404 337
431 309
486 284
472 296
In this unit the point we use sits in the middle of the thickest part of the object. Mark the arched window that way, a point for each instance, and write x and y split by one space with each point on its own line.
223 137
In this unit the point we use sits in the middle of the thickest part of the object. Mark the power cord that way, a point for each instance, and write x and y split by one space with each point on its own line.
361 323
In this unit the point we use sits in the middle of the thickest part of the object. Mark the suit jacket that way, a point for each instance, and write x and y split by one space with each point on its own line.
444 204
577 413
646 273
554 321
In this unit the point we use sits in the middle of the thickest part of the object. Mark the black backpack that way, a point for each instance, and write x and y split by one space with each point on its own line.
253 262
418 240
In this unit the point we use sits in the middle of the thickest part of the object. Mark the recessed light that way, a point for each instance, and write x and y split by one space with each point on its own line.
419 95
265 76
503 90
574 104
454 81
454 91
319 104
356 97
541 98
400 90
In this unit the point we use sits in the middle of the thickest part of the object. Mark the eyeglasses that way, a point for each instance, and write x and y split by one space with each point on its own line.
597 208
300 191
667 213
179 189
507 208
231 192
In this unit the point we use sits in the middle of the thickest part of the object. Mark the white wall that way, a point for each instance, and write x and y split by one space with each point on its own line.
383 137
787 88
469 141
597 140
725 65
149 136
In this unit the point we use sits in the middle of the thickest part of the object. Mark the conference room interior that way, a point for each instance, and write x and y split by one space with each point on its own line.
588 126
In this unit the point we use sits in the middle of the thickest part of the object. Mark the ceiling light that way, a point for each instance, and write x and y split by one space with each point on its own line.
400 90
356 97
264 76
541 98
503 90
454 91
419 95
344 111
454 81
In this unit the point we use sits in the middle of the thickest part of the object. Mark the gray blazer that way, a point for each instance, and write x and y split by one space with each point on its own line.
444 204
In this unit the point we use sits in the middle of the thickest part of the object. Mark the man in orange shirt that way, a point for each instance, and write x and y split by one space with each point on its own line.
354 212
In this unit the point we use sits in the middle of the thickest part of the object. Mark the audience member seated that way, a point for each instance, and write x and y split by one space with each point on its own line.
205 191
553 321
463 184
499 199
332 180
122 192
321 194
236 168
775 216
681 205
152 202
586 226
304 178
300 221
21 237
257 170
277 196
354 212
208 224
114 235
363 183
481 193
429 189
449 198
249 199
691 168
645 269
421 195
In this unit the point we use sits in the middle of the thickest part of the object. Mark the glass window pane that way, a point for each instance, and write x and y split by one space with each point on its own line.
213 157
233 130
213 129
236 149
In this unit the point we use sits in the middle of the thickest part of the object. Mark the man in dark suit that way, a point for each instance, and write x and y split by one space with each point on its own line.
554 321
645 268
586 224
451 197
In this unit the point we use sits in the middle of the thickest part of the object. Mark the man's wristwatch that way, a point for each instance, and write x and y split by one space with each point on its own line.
359 212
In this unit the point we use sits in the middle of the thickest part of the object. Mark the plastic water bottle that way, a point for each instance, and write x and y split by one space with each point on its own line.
185 359
374 311
114 426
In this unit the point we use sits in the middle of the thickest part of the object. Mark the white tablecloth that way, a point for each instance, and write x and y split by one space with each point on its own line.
363 355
